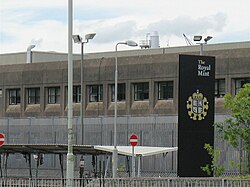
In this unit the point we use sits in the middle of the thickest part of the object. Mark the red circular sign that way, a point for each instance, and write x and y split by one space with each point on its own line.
133 140
2 139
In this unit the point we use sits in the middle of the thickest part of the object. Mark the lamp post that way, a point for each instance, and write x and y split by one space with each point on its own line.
70 156
198 38
115 151
78 39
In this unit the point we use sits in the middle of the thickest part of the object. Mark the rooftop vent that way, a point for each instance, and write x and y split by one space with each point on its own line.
152 41
29 53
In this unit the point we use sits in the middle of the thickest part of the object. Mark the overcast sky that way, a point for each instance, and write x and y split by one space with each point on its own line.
44 23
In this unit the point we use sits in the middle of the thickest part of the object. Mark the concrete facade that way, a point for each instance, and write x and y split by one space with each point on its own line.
135 66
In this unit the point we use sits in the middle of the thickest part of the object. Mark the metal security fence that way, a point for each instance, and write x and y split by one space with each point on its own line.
151 131
154 130
128 182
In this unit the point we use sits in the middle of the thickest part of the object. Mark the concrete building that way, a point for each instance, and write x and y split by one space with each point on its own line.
148 81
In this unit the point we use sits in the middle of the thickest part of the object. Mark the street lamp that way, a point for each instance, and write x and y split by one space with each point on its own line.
70 156
198 38
115 152
78 39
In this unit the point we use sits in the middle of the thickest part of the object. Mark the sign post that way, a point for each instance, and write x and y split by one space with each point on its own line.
195 113
2 139
133 142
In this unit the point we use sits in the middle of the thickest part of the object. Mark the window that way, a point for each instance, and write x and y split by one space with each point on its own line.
95 93
14 96
239 83
76 94
219 88
165 90
33 95
141 91
53 95
121 92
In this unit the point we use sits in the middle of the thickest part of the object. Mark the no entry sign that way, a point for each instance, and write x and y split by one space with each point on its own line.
133 140
2 139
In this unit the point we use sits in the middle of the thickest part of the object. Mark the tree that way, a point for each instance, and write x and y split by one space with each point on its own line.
236 129
213 168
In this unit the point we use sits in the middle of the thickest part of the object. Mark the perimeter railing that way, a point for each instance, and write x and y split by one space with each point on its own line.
127 182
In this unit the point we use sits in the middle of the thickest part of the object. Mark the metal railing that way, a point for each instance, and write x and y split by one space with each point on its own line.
128 182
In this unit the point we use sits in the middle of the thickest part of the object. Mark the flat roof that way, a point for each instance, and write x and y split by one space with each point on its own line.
48 149
51 56
83 149
138 150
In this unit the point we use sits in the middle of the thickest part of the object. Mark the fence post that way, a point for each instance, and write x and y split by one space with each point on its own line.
222 184
168 183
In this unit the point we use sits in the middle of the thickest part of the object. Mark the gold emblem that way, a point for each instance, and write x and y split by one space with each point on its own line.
197 106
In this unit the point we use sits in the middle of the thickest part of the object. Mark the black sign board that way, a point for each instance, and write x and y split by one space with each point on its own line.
195 113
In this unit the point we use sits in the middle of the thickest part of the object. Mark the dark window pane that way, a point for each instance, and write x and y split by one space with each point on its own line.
121 92
141 91
14 96
33 95
76 94
239 83
53 95
165 90
95 93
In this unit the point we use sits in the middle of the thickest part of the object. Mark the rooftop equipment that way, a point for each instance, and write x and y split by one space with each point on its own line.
152 41
29 53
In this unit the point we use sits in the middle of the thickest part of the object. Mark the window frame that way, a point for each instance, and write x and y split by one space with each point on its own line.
243 81
36 96
121 92
16 96
77 94
95 91
165 90
56 95
218 93
141 91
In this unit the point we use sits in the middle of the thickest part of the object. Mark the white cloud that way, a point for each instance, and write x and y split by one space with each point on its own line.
45 22
188 25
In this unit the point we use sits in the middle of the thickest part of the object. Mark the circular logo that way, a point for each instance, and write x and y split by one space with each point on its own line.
197 106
